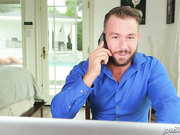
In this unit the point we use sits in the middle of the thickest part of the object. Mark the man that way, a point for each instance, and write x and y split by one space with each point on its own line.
126 85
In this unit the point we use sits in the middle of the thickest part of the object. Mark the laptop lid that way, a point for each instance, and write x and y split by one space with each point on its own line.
48 126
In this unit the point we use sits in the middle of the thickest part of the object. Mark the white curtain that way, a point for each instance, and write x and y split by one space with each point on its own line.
178 45
67 29
58 26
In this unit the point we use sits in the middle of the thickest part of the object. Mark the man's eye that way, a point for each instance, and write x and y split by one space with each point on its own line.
115 37
130 37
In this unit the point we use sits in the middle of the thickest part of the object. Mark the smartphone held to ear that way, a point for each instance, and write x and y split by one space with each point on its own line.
103 38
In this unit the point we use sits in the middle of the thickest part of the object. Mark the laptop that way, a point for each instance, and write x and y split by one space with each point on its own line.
49 126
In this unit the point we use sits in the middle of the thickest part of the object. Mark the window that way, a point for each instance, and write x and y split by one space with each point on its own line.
10 34
65 40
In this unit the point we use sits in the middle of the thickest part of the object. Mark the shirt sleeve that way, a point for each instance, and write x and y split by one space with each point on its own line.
163 95
70 100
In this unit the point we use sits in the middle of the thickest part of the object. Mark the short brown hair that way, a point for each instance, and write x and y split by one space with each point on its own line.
124 11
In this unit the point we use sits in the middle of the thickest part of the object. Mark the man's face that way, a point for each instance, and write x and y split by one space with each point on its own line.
122 38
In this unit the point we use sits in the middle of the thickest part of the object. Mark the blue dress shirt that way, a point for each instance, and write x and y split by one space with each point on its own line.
144 84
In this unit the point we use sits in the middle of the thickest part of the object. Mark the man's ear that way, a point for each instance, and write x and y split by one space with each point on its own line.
138 36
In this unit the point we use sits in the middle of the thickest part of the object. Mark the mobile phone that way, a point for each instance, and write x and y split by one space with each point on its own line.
103 38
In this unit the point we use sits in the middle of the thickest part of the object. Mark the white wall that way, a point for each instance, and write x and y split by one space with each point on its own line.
100 7
157 38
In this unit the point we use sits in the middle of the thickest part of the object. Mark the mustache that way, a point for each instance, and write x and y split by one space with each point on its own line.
123 51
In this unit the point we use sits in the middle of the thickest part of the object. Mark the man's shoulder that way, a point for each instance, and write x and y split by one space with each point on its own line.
82 65
141 57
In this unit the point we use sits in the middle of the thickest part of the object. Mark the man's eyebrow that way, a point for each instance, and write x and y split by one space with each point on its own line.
132 34
114 34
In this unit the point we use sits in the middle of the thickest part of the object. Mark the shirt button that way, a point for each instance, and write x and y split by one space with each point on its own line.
81 91
117 107
69 106
117 90
117 118
85 93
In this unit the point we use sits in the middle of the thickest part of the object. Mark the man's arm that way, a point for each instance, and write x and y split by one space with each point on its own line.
95 59
69 101
79 85
163 95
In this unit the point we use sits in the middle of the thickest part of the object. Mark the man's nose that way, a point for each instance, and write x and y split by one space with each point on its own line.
122 43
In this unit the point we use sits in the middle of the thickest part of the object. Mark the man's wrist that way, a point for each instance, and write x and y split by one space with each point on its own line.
88 80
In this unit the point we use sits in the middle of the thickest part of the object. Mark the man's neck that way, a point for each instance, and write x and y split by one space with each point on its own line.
117 71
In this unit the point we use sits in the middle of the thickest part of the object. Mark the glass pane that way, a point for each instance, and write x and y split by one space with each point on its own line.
10 35
65 40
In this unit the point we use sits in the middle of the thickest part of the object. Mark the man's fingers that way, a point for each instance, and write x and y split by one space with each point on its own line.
101 44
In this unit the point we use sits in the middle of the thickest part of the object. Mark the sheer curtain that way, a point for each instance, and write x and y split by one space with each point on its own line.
178 45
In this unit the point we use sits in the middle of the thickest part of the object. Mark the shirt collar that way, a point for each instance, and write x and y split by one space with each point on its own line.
137 61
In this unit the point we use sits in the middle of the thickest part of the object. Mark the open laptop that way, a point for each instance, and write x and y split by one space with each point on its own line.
48 126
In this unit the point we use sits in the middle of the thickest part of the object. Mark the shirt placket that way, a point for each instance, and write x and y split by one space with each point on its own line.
117 102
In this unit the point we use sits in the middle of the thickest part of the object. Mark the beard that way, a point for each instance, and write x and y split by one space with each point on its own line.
115 62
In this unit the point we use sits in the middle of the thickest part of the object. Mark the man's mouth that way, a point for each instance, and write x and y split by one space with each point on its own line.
123 52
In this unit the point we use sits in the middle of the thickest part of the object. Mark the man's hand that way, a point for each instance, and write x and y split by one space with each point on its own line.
99 55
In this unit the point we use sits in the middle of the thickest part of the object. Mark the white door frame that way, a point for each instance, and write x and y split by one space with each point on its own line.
42 41
42 65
